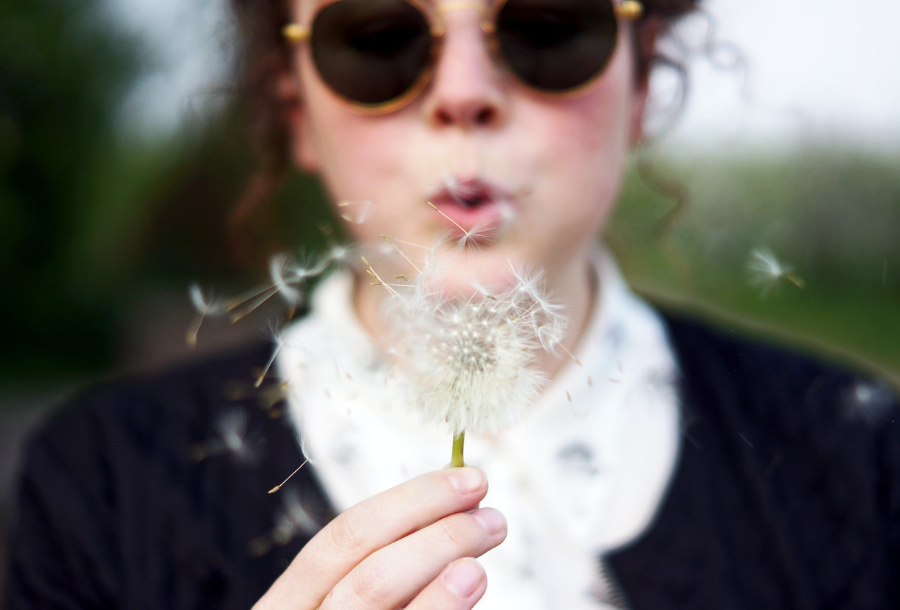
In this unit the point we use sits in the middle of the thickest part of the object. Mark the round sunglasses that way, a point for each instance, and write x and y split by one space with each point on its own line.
378 55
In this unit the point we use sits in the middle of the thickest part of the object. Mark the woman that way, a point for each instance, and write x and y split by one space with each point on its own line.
720 475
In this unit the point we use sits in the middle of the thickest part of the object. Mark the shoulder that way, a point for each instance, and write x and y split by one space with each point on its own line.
720 361
823 441
788 483
133 400
146 416
159 476
820 412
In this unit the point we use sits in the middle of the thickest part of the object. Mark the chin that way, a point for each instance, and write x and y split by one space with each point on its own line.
461 272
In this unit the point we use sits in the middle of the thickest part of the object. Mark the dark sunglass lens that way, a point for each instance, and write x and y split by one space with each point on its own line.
556 45
371 51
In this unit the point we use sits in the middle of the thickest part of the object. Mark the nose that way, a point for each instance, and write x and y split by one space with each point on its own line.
465 91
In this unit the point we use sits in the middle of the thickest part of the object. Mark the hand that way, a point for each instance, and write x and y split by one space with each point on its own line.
411 544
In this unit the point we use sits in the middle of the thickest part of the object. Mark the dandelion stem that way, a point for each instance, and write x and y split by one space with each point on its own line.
456 459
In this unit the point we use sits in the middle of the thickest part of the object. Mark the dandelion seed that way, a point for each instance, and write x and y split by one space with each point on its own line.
397 249
547 321
244 306
204 307
277 334
277 487
232 428
355 213
339 254
766 271
278 270
289 275
475 236
868 400
231 438
507 212
302 520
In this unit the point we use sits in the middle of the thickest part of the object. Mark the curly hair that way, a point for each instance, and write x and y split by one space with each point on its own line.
265 57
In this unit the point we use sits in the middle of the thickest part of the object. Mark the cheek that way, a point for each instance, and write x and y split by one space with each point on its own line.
587 150
596 126
352 153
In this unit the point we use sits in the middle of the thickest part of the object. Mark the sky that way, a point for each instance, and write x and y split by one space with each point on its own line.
820 69
807 70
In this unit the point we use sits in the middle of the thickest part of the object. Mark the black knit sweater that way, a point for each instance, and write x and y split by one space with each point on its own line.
786 493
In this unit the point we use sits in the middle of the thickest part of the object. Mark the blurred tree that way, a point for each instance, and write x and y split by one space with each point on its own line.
90 217
63 71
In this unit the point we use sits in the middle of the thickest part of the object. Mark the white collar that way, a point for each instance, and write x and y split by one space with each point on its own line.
583 474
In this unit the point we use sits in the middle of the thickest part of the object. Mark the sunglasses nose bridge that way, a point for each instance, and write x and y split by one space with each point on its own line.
465 88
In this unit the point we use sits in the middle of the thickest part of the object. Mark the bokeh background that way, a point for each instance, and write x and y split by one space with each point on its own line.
123 153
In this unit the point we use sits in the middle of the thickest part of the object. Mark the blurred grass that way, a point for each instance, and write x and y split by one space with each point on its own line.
833 214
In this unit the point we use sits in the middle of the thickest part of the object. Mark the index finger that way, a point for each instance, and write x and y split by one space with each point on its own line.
370 525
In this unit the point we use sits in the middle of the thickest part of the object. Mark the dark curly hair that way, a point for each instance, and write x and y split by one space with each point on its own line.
265 57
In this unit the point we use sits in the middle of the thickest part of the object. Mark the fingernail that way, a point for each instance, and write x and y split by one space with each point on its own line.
467 480
491 518
463 578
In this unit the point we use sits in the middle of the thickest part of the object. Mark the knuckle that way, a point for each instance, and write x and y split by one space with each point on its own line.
370 585
454 532
348 536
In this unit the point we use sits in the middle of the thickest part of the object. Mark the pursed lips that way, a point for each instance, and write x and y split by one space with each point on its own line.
472 205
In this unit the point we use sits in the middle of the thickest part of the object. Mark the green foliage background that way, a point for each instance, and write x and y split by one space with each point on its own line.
91 222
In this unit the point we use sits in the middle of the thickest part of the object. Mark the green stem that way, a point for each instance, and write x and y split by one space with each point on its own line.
456 460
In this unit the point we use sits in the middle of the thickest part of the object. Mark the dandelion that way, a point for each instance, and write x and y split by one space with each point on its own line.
766 271
204 307
473 362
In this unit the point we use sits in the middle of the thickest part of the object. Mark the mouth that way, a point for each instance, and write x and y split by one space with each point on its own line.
472 210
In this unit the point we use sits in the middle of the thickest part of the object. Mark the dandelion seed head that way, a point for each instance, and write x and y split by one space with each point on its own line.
473 362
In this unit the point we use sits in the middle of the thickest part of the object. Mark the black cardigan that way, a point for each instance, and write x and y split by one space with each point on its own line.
786 493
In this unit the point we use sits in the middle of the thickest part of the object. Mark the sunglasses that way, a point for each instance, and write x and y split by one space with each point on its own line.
378 55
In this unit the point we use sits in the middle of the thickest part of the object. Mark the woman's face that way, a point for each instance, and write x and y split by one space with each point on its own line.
534 178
